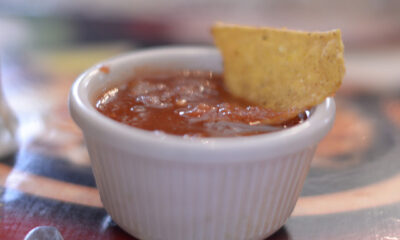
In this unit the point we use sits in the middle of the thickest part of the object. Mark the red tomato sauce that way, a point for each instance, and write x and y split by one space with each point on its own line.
187 103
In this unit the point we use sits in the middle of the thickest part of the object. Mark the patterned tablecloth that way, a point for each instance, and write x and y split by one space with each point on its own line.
352 190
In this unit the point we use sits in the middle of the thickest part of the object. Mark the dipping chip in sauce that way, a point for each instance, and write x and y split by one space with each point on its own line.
271 77
188 103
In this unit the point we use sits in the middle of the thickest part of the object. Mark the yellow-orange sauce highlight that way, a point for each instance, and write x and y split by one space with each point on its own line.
187 103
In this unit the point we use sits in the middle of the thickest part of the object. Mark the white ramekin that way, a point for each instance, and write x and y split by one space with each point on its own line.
159 186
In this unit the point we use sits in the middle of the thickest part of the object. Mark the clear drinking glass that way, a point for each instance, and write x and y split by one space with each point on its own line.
8 125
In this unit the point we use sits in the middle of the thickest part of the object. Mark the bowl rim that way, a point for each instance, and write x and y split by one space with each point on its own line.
285 141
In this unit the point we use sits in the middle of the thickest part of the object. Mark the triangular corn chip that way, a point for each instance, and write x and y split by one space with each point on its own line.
281 69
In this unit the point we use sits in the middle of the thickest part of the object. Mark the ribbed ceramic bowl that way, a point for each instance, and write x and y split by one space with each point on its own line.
171 188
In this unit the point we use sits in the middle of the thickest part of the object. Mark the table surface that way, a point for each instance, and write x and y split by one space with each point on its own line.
352 190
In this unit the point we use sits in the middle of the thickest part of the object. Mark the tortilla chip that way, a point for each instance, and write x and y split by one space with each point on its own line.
281 69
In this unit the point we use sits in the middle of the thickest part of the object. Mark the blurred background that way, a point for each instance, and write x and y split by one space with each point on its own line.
46 44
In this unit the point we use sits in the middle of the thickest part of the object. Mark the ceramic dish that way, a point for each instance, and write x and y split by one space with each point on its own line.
160 186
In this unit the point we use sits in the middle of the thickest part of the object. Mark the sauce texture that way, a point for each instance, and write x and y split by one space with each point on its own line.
186 103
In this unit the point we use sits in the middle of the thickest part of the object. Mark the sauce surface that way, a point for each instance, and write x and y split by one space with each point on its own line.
187 103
